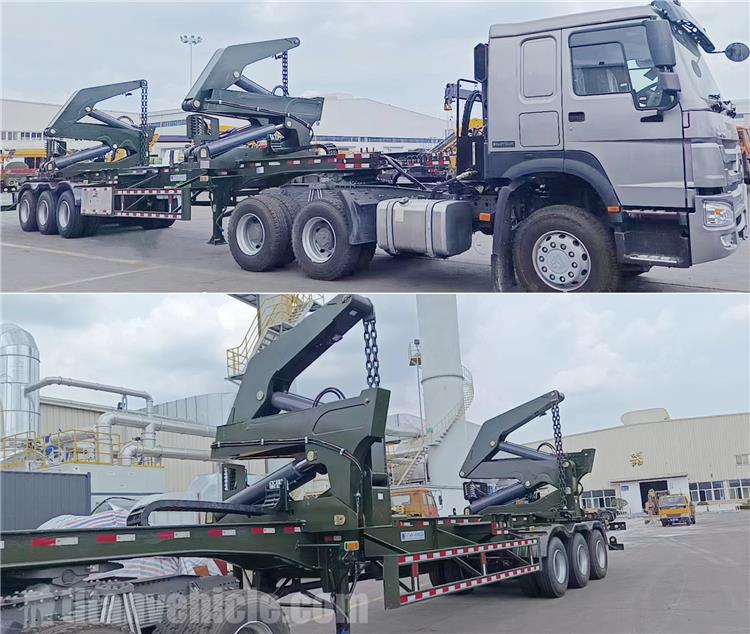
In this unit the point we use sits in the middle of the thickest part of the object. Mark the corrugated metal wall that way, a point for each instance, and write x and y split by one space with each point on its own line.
52 494
704 448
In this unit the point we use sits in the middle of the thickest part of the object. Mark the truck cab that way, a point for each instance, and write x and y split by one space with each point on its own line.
615 113
676 508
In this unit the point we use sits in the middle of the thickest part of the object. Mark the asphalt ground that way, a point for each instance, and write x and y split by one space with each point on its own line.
682 579
179 259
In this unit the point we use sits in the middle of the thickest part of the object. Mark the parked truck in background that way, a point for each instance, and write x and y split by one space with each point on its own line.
676 508
605 148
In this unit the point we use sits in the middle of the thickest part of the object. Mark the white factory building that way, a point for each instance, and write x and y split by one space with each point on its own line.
707 457
348 122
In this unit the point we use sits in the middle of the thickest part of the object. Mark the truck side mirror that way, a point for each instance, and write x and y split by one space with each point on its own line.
737 51
669 82
660 43
480 62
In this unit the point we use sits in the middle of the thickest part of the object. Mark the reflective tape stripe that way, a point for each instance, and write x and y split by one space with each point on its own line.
465 550
464 585
112 538
222 532
45 542
174 535
262 530
292 529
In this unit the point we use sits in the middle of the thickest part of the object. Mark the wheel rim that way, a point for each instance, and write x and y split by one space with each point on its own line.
561 260
25 210
582 557
63 214
318 240
250 233
601 555
42 212
253 627
559 565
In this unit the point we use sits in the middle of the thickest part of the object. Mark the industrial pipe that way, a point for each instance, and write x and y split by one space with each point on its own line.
132 451
88 385
158 423
82 155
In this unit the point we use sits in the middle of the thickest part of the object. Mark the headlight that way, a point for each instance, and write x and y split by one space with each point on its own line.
717 214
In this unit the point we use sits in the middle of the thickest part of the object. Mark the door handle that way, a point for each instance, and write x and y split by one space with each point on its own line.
576 116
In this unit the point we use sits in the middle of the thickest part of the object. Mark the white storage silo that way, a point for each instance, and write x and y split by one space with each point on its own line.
19 367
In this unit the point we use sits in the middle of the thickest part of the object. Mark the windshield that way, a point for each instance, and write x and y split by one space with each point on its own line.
693 65
671 502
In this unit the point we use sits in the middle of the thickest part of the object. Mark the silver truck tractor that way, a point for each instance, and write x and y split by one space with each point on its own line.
607 148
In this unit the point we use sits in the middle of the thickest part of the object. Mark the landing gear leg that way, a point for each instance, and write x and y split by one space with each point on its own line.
218 209
341 604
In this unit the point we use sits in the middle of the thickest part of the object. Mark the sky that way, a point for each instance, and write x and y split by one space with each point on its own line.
607 353
402 53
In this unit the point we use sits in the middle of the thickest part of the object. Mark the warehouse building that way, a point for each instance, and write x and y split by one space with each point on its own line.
707 457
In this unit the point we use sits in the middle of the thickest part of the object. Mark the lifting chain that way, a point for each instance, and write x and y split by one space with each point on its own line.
371 354
144 123
285 73
557 431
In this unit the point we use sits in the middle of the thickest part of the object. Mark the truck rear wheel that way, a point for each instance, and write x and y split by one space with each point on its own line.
46 216
320 237
579 559
563 248
598 554
258 234
291 208
27 211
231 612
555 573
70 222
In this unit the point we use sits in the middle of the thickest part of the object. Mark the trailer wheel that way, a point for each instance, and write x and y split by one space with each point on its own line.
555 573
258 234
46 213
290 206
598 553
447 572
564 248
231 612
156 223
70 222
579 559
27 211
320 238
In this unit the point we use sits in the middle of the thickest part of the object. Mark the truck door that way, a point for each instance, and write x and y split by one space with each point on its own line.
609 83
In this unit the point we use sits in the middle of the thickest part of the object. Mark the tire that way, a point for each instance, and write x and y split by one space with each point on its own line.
366 253
46 213
549 236
27 211
529 585
579 561
599 555
664 523
447 572
258 234
320 238
692 520
555 573
70 222
206 614
156 223
290 206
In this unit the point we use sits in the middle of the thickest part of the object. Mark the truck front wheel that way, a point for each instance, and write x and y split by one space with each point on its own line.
27 211
258 234
565 248
320 238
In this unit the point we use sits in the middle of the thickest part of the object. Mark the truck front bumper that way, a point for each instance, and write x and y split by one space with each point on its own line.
713 243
